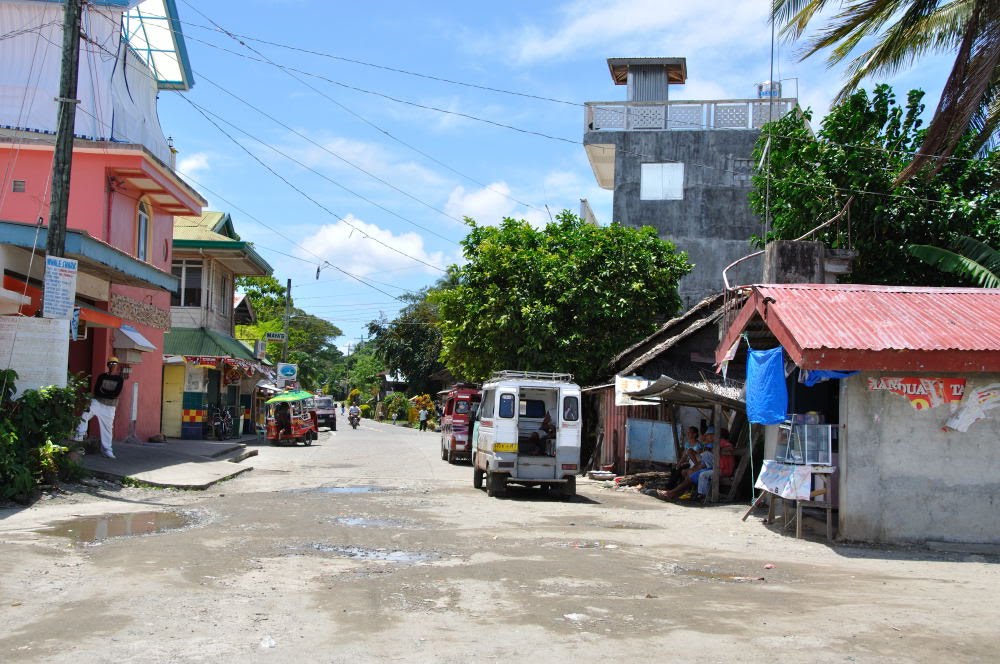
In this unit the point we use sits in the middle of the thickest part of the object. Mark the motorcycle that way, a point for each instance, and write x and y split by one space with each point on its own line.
354 419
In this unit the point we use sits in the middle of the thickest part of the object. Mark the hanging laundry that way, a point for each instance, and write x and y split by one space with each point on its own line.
767 397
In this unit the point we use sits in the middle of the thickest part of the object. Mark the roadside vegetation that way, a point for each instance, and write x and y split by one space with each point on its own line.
35 429
851 169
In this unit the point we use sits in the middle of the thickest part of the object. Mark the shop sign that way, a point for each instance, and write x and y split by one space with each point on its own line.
274 336
60 287
209 362
922 393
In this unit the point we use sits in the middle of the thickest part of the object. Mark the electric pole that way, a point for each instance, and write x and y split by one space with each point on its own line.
288 311
65 125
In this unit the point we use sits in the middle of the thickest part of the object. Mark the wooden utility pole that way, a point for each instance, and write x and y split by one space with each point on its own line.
65 124
288 311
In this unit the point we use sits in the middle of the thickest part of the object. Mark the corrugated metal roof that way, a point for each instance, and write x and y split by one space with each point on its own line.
205 342
846 316
849 326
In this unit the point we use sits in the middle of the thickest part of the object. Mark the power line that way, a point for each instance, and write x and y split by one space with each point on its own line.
345 108
306 195
326 177
282 235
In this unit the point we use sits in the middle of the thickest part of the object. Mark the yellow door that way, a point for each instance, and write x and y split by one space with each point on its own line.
173 399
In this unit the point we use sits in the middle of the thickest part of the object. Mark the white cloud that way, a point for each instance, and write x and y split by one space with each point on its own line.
331 154
194 164
486 206
367 249
649 27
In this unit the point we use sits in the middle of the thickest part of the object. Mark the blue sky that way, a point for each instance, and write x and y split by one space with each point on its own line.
365 176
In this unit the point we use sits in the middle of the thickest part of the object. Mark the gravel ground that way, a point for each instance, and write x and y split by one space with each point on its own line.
367 547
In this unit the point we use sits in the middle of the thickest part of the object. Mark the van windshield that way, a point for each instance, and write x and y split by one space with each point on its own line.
324 402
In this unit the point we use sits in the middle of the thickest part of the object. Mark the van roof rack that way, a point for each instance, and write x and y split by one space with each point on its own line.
507 374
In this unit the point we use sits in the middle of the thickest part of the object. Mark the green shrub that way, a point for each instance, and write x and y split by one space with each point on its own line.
32 430
366 411
397 404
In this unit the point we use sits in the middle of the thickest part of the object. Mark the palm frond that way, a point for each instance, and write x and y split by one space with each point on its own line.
977 262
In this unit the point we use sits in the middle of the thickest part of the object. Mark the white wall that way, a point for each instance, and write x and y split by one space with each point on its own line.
904 479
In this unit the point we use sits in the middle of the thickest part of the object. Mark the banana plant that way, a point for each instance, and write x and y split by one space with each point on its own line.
972 259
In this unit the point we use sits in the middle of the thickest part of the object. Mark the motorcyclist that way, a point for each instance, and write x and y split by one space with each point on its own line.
354 413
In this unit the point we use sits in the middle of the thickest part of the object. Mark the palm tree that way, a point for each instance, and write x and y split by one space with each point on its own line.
972 259
903 31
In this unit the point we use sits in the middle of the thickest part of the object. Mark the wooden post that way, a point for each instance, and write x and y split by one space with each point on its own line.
716 473
65 124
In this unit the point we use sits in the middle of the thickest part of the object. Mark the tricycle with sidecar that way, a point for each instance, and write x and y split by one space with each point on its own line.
291 418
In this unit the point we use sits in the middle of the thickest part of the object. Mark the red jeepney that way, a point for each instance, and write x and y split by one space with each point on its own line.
459 402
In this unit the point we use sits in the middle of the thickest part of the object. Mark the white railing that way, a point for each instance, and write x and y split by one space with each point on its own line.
684 115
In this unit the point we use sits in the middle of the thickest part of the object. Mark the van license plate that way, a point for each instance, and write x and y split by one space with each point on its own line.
505 447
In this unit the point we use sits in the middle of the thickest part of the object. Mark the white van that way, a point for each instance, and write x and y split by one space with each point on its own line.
529 432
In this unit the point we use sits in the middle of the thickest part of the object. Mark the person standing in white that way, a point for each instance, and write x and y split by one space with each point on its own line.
107 389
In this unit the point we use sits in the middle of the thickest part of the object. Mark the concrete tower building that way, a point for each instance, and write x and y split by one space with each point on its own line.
682 167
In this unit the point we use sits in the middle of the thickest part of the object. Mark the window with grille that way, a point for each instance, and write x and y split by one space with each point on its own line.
19 187
742 169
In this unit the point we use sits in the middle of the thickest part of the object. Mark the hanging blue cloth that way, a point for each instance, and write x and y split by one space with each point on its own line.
810 377
767 398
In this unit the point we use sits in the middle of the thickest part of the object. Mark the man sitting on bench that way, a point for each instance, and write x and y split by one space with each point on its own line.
538 442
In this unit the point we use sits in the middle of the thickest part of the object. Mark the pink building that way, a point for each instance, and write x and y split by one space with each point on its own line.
124 191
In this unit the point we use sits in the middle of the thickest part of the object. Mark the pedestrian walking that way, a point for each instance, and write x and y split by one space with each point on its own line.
422 416
107 389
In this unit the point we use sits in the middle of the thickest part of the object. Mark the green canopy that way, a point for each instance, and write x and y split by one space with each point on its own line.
294 395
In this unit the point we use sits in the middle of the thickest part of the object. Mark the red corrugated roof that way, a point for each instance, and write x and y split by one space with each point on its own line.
847 326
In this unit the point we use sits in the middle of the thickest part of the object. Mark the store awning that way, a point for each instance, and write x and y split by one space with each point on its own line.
129 338
676 392
95 257
204 342
98 318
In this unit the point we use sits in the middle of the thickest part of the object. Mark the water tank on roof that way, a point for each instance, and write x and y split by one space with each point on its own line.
769 90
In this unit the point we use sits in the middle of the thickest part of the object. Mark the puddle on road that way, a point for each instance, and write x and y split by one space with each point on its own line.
91 529
711 575
383 555
625 526
370 522
343 489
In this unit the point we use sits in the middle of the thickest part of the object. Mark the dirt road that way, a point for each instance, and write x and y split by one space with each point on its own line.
367 547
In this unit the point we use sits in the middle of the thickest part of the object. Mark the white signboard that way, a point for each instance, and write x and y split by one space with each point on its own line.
37 349
60 287
195 379
624 384
274 336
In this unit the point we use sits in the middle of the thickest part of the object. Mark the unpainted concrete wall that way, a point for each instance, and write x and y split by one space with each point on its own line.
904 479
713 223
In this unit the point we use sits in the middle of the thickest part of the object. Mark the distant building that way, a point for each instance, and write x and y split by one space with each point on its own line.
206 366
682 167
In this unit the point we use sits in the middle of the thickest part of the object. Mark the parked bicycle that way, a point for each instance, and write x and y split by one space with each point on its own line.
222 423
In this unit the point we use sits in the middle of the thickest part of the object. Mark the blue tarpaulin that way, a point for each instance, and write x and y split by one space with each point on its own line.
767 398
810 377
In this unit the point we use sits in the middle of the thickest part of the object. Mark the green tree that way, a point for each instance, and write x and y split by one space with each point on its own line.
363 371
565 298
310 338
894 34
410 344
266 295
854 162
